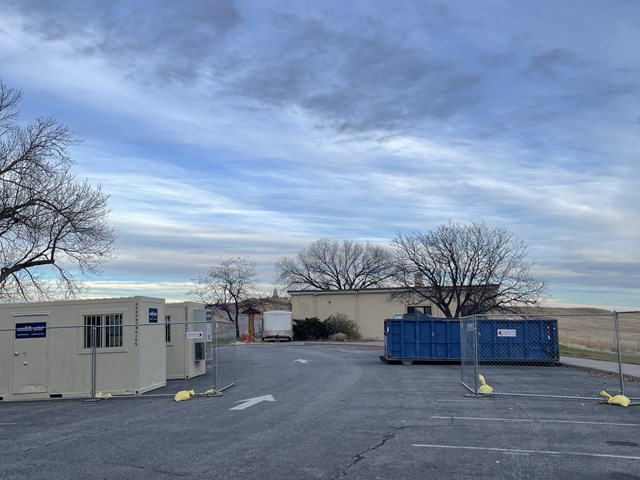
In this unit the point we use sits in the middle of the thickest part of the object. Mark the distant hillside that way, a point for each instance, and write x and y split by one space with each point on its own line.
267 303
593 328
562 310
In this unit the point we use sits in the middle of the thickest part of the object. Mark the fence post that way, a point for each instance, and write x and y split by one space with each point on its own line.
476 371
216 360
463 342
619 347
94 358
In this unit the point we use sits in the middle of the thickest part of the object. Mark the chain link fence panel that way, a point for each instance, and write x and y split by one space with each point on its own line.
629 324
565 356
43 362
104 358
224 357
200 357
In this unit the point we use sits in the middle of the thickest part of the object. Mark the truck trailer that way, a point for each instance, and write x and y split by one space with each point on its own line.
277 325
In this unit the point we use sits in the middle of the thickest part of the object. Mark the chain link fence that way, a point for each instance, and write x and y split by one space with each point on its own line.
105 358
559 356
629 352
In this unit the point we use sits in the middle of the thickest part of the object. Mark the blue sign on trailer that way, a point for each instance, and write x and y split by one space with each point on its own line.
425 338
31 330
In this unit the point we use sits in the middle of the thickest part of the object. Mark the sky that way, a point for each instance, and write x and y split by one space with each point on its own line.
252 128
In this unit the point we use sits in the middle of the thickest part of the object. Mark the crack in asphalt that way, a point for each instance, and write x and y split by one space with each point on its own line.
153 470
48 444
360 456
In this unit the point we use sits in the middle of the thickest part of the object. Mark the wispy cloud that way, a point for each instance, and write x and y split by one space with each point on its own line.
222 128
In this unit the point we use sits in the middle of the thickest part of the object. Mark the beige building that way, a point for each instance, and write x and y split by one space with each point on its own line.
367 307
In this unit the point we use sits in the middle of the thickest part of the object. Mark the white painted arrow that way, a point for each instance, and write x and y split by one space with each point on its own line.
250 402
301 360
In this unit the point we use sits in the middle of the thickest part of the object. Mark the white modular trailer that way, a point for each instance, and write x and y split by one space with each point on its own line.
188 332
277 324
47 348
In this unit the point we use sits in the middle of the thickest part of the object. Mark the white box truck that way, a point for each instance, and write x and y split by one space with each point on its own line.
277 325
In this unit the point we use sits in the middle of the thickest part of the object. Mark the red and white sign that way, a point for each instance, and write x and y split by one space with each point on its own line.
194 335
505 332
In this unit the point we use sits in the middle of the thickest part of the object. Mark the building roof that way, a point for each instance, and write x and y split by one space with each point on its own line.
349 291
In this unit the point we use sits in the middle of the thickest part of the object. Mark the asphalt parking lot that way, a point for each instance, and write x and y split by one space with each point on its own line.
323 412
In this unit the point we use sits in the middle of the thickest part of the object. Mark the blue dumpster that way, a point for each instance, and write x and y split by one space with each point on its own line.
432 339
422 338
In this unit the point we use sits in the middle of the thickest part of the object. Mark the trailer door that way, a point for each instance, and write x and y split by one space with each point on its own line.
30 354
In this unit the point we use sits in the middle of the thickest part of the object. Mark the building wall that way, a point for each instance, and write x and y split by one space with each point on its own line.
152 352
181 361
368 308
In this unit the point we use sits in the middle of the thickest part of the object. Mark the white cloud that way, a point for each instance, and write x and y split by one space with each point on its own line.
283 125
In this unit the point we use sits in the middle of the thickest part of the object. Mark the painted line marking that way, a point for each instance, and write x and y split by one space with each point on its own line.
540 452
301 360
523 420
250 402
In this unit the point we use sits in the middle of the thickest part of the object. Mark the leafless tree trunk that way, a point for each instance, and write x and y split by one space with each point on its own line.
50 223
466 269
328 264
227 285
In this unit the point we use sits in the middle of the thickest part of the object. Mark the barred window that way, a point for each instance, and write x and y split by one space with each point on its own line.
89 339
167 328
108 330
113 334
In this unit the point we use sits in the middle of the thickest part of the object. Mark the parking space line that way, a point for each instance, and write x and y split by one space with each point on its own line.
528 420
539 452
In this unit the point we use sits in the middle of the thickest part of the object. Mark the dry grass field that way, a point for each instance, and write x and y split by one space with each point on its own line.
588 331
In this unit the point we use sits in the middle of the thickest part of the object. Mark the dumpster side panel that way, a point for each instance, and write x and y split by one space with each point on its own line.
438 339
422 339
425 339
513 340
454 339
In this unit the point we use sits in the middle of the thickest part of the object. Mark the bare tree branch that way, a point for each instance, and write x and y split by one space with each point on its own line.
466 269
227 285
50 223
327 264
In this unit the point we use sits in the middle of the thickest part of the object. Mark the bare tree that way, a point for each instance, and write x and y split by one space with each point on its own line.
328 264
227 285
467 269
53 227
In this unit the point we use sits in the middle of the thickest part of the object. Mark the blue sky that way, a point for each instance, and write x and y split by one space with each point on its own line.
253 128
